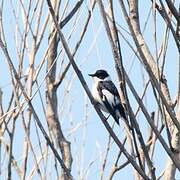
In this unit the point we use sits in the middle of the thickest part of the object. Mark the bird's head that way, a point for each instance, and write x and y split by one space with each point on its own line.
100 75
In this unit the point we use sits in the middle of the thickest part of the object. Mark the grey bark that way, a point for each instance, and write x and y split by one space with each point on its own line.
51 99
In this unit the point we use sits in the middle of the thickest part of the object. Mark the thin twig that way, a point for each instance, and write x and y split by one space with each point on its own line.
83 83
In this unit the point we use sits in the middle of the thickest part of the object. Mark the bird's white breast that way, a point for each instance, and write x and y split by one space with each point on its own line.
97 97
95 92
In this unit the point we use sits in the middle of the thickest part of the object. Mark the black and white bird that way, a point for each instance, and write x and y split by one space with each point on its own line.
106 94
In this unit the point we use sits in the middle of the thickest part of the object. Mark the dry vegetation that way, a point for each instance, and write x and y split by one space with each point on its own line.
48 127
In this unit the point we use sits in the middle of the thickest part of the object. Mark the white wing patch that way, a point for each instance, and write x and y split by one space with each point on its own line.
113 100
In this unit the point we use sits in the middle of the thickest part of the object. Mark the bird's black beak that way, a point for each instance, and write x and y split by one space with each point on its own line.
92 75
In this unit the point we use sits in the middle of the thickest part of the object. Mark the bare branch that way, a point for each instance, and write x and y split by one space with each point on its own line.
79 74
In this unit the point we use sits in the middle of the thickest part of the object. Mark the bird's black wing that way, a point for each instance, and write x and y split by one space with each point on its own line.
109 86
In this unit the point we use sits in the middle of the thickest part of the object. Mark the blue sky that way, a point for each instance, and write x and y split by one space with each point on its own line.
80 123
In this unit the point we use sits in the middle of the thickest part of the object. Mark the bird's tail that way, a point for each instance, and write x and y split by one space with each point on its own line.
116 119
123 115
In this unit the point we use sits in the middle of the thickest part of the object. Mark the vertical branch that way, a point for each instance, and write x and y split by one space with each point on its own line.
83 83
148 60
114 39
117 63
29 85
30 35
51 98
151 123
12 68
133 22
105 158
120 72
11 136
